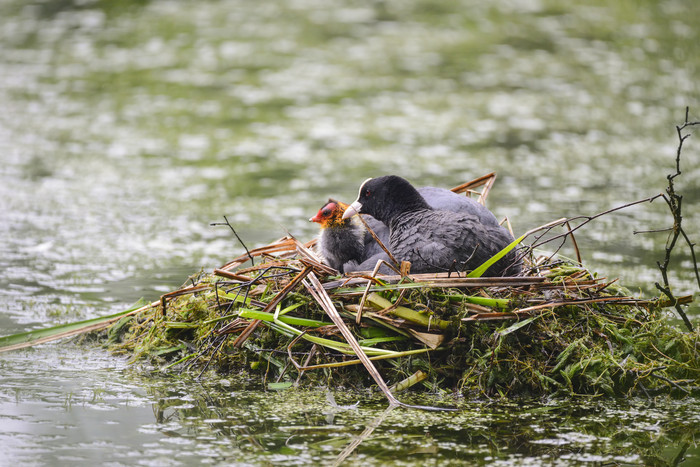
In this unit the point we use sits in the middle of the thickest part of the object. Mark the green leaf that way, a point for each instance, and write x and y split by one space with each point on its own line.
478 272
516 326
41 336
293 320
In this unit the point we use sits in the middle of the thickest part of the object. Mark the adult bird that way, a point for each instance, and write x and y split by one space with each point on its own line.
346 245
433 240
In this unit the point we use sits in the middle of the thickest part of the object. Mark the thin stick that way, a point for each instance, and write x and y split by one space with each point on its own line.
319 293
186 290
369 284
284 244
486 180
271 306
311 355
675 203
230 275
573 240
238 237
437 280
379 242
588 219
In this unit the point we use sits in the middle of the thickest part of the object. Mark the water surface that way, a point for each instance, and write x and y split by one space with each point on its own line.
127 128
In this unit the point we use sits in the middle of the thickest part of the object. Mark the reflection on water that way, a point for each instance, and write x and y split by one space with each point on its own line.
120 415
128 127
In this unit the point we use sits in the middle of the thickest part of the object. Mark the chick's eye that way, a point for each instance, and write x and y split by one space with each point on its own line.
326 212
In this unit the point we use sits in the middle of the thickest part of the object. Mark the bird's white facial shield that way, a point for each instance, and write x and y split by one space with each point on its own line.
356 207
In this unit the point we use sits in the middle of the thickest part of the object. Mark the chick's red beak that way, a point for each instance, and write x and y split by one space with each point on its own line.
317 218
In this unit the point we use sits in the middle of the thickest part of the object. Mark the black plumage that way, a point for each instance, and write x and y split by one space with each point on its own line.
434 240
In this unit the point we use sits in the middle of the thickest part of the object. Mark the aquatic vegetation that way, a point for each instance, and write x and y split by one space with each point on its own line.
556 331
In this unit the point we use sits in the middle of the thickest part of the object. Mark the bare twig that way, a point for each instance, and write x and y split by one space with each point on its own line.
236 234
185 290
587 219
379 242
468 188
675 204
573 240
369 284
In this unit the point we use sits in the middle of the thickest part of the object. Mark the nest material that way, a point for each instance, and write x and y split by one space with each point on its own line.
557 331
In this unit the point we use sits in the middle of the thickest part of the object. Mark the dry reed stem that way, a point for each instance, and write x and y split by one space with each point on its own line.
575 244
319 293
313 285
271 306
376 239
285 244
439 280
310 258
625 301
230 275
369 284
469 188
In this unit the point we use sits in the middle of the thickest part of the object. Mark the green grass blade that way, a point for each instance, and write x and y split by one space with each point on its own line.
293 320
516 326
485 301
41 336
478 272
379 340
280 326
238 298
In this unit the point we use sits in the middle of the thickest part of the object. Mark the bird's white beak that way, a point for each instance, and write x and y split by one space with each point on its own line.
353 209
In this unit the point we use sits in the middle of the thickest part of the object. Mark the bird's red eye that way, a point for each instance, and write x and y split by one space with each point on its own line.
367 193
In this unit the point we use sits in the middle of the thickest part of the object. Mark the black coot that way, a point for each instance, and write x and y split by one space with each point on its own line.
346 245
434 240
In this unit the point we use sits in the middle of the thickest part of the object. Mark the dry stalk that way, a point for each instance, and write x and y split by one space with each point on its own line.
369 284
184 291
272 305
237 236
469 188
319 293
379 242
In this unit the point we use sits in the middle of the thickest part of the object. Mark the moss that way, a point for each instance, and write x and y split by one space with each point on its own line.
579 337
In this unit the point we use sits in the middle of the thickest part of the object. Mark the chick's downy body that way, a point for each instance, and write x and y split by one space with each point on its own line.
345 243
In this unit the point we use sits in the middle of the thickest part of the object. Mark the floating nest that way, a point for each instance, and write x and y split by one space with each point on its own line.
279 313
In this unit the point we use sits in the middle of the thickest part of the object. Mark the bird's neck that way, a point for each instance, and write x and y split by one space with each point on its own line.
409 202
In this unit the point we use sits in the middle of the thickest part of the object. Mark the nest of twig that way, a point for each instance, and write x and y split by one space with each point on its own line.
557 330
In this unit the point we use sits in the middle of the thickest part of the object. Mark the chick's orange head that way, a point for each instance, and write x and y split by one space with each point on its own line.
331 214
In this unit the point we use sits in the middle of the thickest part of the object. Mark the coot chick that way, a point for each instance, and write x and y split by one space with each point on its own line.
433 240
345 244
